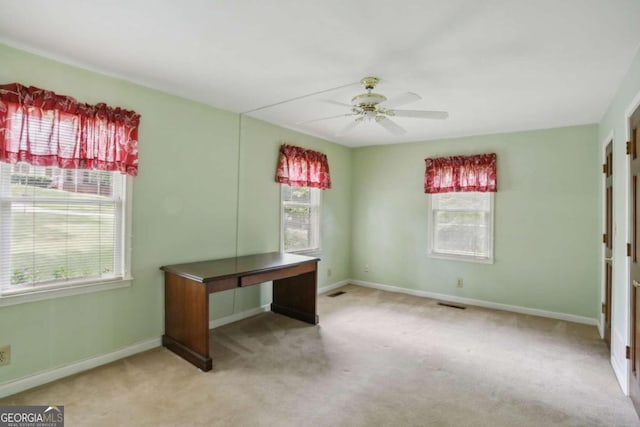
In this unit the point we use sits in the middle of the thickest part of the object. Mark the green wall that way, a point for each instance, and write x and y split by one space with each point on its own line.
547 232
204 190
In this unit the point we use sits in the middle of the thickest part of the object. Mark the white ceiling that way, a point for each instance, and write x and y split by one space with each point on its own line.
494 65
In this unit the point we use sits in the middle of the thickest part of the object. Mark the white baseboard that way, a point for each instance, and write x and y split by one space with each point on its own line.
31 381
216 323
333 286
601 328
479 303
22 384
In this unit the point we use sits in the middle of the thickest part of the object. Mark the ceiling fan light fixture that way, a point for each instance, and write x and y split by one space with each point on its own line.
369 114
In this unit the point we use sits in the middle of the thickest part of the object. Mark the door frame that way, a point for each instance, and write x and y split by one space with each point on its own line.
603 205
635 104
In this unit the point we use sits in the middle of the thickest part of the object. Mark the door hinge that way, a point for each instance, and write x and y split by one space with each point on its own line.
604 168
628 249
604 238
630 147
603 307
628 352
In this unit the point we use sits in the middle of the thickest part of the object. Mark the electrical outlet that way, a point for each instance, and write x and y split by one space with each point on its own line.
460 282
329 273
366 268
5 355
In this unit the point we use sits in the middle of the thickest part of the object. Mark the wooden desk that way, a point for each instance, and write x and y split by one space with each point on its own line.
187 288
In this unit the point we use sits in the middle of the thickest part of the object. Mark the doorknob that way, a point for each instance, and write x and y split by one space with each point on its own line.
636 283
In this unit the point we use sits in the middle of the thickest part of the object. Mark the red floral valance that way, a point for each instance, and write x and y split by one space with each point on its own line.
42 128
303 168
461 174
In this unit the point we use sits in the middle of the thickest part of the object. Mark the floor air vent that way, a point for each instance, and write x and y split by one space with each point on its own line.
336 294
446 304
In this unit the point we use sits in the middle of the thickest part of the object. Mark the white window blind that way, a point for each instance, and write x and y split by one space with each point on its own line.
300 219
461 225
60 227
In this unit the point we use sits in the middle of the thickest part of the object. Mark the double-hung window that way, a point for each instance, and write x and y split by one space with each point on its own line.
61 228
300 219
461 226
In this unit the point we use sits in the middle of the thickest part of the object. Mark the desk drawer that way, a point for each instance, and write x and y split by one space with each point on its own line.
267 276
222 285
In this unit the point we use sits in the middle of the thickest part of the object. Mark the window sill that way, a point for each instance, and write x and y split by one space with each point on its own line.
308 252
460 258
46 294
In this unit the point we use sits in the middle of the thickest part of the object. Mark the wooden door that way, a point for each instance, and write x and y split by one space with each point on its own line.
608 241
634 285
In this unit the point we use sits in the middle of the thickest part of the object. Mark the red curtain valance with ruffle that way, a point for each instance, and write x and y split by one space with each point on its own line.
43 128
461 174
303 168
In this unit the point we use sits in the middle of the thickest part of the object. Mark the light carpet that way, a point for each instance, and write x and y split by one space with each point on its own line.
376 359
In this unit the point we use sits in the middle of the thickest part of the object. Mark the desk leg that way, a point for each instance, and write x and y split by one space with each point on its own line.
296 297
186 323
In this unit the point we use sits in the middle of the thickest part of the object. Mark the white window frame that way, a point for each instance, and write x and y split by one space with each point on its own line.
75 286
459 257
315 204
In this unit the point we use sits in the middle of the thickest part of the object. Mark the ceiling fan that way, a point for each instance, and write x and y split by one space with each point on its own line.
371 106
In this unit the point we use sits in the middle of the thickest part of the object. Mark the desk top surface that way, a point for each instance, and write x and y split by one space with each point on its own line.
207 271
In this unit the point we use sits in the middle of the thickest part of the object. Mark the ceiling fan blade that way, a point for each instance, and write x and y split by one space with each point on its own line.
324 118
390 125
342 104
349 127
420 114
399 100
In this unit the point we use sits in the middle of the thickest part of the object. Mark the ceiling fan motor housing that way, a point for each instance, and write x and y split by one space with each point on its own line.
368 99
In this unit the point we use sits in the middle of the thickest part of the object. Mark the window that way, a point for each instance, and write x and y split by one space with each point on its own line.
65 171
461 226
300 219
61 228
